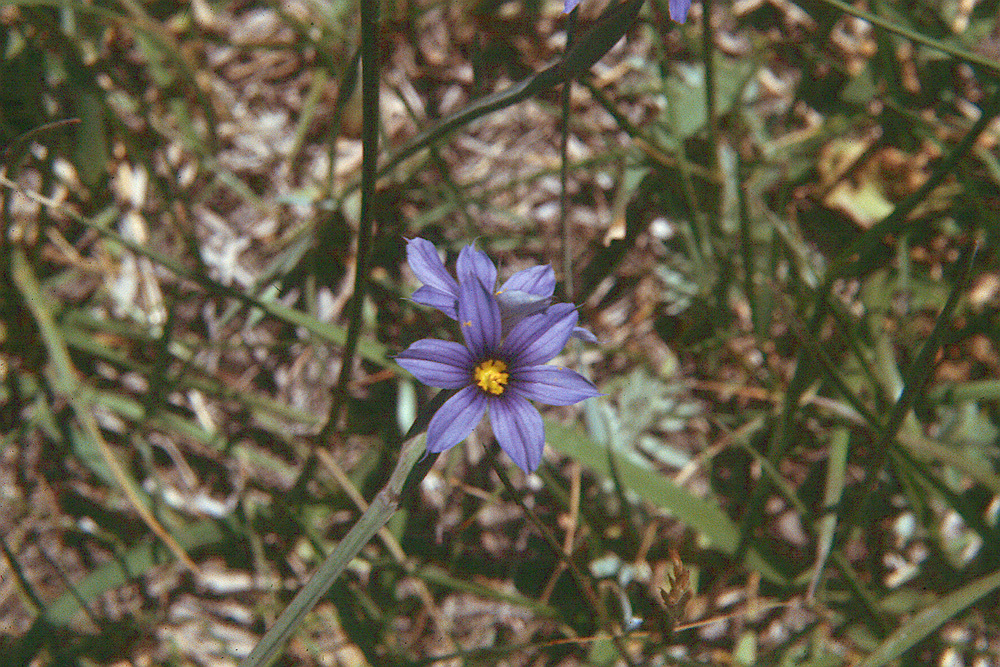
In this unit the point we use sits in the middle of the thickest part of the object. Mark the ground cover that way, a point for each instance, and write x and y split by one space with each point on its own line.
780 224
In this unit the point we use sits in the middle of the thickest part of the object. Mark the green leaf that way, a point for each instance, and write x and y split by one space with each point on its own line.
930 619
136 561
704 516
90 151
688 112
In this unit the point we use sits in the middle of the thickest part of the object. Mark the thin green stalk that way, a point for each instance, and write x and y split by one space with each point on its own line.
379 512
567 255
345 89
968 56
836 476
382 508
20 579
857 254
860 251
872 616
709 220
661 156
12 154
747 253
929 619
591 47
708 48
916 376
366 225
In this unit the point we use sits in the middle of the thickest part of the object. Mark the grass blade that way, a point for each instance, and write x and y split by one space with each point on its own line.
702 515
930 619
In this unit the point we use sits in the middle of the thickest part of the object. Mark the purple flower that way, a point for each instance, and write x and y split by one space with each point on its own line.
678 8
496 371
525 293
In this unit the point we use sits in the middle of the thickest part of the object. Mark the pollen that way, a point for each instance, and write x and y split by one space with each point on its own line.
491 376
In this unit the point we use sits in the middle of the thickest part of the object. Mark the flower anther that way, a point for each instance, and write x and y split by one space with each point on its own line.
491 376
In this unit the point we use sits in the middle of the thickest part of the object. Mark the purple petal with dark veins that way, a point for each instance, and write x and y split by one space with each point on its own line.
438 363
479 318
538 338
443 301
423 259
552 385
515 305
539 280
454 421
519 430
476 263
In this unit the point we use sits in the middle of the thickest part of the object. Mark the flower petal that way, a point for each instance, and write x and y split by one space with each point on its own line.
454 421
538 338
423 259
552 385
515 305
443 301
539 280
584 335
438 363
519 430
678 9
569 5
476 263
479 318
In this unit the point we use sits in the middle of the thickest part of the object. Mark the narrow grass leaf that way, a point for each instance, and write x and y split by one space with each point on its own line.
134 563
944 47
702 515
368 349
63 377
962 392
930 619
836 476
926 449
440 577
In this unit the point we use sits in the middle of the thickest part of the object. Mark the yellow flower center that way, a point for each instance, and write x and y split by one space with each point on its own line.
491 376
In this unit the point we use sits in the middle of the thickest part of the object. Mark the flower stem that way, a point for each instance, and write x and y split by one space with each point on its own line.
375 517
366 223
567 255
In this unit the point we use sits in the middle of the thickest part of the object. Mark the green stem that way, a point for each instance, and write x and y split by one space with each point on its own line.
956 52
708 45
578 59
567 255
375 517
366 224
